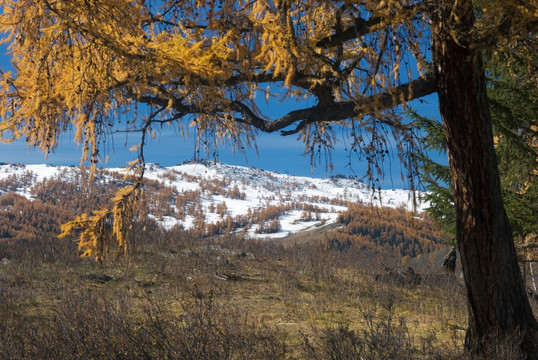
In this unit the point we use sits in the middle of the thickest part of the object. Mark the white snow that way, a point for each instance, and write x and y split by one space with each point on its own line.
260 188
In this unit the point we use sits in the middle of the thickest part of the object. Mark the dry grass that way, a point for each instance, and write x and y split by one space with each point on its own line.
223 298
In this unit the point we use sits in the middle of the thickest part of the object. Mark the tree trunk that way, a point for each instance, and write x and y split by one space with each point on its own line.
497 301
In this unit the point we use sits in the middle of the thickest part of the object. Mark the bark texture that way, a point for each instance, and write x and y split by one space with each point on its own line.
497 301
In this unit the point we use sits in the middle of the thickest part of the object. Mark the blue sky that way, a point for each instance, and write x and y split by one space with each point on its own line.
276 153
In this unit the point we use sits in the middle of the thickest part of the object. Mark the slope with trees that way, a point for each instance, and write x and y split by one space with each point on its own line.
89 65
22 219
384 231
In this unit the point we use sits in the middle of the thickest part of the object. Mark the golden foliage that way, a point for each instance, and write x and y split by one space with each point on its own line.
83 65
98 230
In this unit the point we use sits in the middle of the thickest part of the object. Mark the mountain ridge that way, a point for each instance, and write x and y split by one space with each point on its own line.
212 196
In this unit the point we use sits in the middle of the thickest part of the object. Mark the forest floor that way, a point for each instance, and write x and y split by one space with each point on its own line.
225 298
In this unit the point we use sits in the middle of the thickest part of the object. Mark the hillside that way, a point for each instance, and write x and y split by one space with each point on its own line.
206 198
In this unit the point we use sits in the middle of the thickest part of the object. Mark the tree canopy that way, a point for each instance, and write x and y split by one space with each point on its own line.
84 65
90 66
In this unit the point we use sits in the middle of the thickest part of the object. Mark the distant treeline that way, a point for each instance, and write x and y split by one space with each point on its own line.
385 229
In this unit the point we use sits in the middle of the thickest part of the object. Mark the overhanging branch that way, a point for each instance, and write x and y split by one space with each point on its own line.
339 111
329 113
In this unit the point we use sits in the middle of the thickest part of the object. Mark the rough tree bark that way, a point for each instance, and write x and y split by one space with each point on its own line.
497 303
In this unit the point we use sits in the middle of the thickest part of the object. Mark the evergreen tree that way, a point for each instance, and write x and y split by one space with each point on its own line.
513 99
513 94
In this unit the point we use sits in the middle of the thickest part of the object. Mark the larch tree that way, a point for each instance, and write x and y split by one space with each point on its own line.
95 65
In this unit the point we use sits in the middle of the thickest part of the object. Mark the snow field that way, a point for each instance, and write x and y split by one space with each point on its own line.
258 190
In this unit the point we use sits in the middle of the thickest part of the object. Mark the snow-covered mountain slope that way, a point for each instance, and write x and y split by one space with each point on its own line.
263 203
